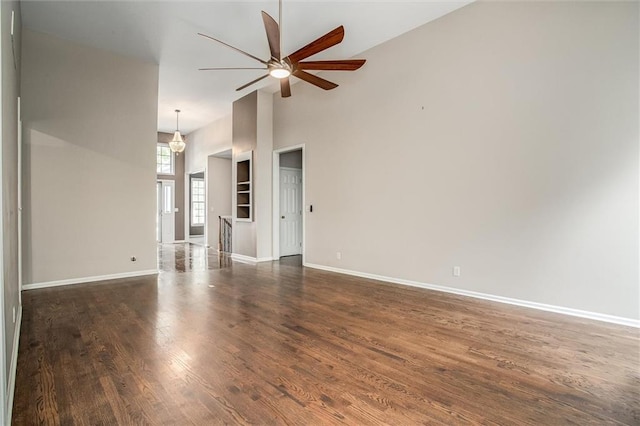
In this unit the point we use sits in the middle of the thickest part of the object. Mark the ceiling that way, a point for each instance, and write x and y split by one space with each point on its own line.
165 32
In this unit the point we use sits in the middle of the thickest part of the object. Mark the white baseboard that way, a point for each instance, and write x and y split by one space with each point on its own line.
85 280
248 259
524 303
244 259
13 366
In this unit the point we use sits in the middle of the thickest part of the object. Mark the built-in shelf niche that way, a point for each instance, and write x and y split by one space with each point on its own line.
244 187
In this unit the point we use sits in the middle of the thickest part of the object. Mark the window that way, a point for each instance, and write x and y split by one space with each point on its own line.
164 159
167 207
197 201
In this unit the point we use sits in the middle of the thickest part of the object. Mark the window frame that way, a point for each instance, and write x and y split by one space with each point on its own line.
193 202
159 165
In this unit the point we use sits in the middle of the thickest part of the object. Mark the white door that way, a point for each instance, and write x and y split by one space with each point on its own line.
290 211
166 211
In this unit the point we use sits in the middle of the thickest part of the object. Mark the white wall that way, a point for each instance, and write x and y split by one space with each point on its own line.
210 139
218 195
90 136
501 138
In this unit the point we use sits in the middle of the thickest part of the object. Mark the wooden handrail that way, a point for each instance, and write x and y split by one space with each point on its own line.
224 234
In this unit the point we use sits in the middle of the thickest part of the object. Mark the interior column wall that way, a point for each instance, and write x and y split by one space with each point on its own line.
253 131
245 138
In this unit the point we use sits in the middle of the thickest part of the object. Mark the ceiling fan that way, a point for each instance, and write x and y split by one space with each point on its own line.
283 67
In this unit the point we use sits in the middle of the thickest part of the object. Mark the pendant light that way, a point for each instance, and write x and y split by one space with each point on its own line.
177 143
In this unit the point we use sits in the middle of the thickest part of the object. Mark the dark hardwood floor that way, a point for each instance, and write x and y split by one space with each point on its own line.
229 343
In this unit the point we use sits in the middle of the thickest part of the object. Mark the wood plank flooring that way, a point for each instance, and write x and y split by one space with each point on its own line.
229 343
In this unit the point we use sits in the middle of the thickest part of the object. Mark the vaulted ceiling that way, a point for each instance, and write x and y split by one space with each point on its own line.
165 32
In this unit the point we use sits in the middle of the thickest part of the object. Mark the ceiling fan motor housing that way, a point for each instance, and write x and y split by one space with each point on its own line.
280 69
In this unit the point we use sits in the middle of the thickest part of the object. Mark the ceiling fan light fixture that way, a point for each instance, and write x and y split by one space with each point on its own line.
177 144
279 72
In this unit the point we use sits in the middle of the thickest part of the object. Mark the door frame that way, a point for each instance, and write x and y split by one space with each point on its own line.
187 203
172 182
276 200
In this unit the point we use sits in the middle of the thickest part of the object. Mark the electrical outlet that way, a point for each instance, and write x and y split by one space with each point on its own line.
133 258
456 271
338 255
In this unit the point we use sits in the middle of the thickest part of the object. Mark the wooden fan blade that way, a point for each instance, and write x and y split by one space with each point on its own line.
252 82
234 48
326 41
346 65
285 87
217 69
273 35
315 80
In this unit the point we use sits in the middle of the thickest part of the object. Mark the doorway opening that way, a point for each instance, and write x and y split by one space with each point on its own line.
288 202
219 227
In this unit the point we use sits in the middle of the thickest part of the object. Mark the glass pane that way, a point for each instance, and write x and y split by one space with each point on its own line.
197 201
197 213
164 160
158 195
167 199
